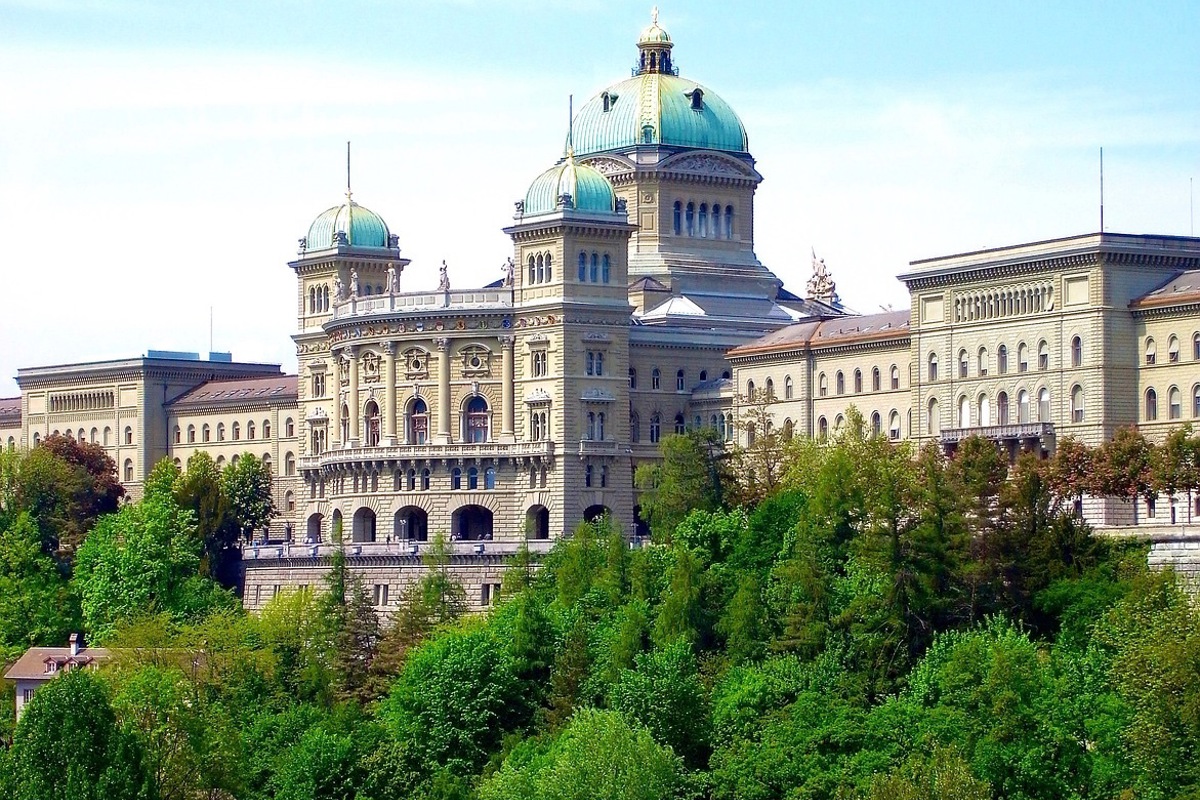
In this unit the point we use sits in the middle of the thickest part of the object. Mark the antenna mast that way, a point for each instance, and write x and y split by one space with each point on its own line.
1102 190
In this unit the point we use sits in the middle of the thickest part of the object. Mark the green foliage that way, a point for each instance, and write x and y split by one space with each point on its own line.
68 744
688 477
143 559
36 602
246 485
598 755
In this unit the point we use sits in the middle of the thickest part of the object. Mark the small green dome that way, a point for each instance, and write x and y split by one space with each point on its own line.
589 190
362 226
654 34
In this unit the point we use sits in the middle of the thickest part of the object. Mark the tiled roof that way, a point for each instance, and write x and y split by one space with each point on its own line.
829 333
32 665
1181 288
10 409
281 388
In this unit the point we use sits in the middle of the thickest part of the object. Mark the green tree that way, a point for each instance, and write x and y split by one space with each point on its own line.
356 645
91 491
689 477
320 766
68 744
247 485
37 605
598 755
199 489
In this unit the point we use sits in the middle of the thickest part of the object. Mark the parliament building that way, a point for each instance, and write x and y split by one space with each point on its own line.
633 306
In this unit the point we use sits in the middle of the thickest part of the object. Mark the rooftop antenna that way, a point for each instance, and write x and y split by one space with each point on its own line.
1191 208
210 329
347 170
570 126
349 202
1102 190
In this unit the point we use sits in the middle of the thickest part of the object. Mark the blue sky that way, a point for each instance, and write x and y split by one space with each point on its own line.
160 158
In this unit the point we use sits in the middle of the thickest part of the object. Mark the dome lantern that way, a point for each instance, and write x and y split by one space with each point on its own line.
569 185
655 49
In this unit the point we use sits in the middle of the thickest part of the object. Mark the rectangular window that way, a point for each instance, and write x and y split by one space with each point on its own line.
595 362
318 384
539 365
381 594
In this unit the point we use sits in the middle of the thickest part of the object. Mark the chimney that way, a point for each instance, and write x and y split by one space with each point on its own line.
74 644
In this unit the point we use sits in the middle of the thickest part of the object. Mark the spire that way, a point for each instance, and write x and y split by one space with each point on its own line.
655 48
570 154
349 201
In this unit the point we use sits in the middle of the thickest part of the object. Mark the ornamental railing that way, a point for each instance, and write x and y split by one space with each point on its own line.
465 451
473 299
594 447
1018 432
385 546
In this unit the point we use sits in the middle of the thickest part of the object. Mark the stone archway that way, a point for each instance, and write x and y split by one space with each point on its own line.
537 522
313 534
471 523
411 523
363 529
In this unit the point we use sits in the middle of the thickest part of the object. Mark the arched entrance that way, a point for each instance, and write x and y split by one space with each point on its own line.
411 522
471 522
314 528
364 525
336 529
595 513
537 522
477 421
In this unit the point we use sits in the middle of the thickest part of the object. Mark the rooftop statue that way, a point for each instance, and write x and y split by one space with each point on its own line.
443 278
821 285
393 280
354 283
509 272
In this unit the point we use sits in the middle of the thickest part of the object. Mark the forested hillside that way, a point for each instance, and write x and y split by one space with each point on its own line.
843 621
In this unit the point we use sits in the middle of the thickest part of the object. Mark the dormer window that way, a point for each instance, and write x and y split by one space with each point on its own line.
609 100
697 97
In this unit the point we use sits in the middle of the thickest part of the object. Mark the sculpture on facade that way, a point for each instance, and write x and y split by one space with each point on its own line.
821 285
509 272
354 283
443 278
339 289
393 280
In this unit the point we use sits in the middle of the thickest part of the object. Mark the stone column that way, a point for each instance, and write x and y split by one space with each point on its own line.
335 435
443 401
389 419
506 389
352 400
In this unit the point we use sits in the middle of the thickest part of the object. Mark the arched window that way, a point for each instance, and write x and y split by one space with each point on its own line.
1022 407
1174 403
540 271
1196 346
425 479
680 425
655 379
591 425
691 219
1077 352
456 478
107 436
770 390
1077 403
787 387
1043 355
128 470
822 385
532 271
875 386
206 433
605 269
894 425
1196 400
289 464
822 429
840 383
289 501
1173 349
178 435
472 478
983 361
371 421
1002 408
750 391
549 267
1151 351
489 478
289 428
635 428
128 435
655 429
632 378
963 364
477 420
983 410
858 381
703 375
677 218
417 422
412 480
250 430
582 267
728 222
594 272
1002 359
1022 358
220 431
1044 405
679 380
191 436
587 475
345 423
235 431
934 422
964 412
266 426
895 377
703 219
876 424
933 367
715 228
789 429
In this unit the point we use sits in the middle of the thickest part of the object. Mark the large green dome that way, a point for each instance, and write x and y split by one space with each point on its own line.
657 107
362 226
589 190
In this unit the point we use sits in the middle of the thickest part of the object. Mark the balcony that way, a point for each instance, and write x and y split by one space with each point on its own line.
386 548
474 299
461 451
1035 436
594 447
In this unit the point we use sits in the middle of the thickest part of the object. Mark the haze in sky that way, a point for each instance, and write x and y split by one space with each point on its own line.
158 159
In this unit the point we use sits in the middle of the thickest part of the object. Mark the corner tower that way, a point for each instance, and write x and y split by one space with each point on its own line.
678 155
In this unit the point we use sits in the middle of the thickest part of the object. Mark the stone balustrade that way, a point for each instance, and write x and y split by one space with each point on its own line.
464 451
389 548
471 299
